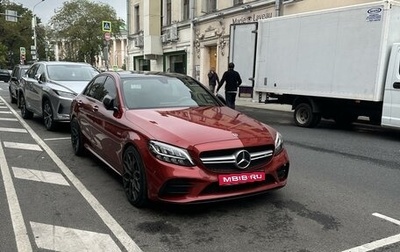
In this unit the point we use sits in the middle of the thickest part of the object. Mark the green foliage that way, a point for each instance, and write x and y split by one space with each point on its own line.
79 23
14 34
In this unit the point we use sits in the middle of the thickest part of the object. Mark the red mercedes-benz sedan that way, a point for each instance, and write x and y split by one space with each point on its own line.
172 140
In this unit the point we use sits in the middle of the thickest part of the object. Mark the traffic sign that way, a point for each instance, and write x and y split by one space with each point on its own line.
107 36
106 26
22 51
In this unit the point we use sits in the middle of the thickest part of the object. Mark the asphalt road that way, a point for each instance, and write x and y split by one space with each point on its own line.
342 194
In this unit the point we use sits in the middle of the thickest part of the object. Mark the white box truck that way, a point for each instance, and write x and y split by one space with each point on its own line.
338 63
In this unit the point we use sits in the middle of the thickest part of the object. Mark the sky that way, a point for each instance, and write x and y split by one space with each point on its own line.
45 10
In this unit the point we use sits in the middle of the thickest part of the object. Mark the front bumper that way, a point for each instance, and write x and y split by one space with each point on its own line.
189 185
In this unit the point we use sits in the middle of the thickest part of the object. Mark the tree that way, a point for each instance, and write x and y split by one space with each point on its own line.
14 34
79 23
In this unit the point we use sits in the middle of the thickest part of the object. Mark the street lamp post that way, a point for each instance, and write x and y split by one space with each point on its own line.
34 30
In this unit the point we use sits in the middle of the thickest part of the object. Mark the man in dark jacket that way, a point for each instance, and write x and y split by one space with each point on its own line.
212 79
233 81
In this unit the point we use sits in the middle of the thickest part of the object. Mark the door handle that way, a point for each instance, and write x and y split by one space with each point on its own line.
396 85
95 108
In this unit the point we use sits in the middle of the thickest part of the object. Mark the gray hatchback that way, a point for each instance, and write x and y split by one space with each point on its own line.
49 87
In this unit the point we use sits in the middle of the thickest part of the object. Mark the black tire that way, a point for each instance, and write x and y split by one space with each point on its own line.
76 138
304 116
134 178
48 116
13 100
25 113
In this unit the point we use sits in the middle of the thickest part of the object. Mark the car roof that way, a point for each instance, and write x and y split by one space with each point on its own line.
125 74
63 63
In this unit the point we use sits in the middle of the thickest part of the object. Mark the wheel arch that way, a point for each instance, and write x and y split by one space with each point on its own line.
309 100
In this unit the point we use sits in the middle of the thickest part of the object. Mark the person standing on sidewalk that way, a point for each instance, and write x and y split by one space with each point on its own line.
213 79
233 81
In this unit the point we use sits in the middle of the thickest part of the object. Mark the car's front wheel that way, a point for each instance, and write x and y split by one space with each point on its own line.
76 138
13 100
25 113
48 116
134 178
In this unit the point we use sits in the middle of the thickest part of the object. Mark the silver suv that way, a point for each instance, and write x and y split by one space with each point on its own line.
49 87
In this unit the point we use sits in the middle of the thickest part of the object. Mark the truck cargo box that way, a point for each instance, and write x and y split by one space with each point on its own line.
336 53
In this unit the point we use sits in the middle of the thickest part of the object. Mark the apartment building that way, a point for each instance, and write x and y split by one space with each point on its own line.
191 36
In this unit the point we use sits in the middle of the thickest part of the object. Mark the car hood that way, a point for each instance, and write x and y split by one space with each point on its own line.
68 86
194 126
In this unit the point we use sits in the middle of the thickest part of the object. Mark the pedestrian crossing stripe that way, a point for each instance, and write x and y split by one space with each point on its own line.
22 146
40 176
57 238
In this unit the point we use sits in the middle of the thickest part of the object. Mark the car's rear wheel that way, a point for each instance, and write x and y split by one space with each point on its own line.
76 138
25 113
48 116
134 178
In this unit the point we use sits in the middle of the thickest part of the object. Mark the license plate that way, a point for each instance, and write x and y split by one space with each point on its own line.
234 179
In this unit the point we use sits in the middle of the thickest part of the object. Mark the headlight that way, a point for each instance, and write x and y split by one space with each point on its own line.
278 143
64 94
170 154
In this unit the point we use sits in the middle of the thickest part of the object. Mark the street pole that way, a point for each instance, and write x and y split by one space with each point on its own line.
34 30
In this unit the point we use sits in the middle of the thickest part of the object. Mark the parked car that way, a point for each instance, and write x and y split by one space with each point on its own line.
49 87
172 140
4 75
14 84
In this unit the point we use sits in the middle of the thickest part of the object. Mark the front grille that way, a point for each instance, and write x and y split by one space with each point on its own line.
223 161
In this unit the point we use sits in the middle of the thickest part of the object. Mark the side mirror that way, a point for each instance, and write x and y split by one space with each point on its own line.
37 76
108 102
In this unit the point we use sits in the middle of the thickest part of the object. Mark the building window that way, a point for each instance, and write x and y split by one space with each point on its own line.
168 18
185 9
211 5
137 19
237 2
141 64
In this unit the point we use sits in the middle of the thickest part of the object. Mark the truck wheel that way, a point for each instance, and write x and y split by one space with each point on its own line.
304 116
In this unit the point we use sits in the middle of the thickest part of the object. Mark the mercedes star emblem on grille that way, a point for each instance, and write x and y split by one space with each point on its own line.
242 159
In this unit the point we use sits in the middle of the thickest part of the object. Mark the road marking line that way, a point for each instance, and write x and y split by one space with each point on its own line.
397 222
57 138
22 146
41 176
15 130
17 219
2 106
57 238
107 218
8 119
376 244
5 112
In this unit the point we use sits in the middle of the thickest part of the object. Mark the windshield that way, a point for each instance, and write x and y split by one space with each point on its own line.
71 72
164 92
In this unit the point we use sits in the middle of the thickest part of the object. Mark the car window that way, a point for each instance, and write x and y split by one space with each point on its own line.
95 87
71 72
162 91
32 71
109 88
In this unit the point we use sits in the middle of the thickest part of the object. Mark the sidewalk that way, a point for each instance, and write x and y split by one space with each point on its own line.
248 102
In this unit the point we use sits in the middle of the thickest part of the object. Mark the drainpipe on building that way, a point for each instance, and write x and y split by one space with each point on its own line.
191 71
278 8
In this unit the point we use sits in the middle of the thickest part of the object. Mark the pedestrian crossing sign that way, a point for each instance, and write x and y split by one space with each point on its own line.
106 25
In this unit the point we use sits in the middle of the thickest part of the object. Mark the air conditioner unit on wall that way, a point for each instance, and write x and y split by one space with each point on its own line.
139 41
164 38
173 33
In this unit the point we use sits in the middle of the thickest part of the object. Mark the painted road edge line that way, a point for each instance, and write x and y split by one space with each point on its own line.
17 219
107 218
